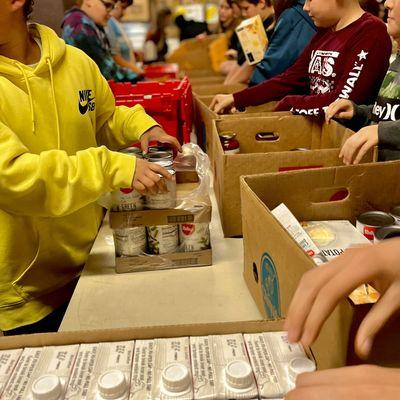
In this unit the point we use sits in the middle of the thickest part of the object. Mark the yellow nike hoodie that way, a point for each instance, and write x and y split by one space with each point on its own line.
58 129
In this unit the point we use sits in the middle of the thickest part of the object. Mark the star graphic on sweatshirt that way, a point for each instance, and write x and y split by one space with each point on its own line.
362 55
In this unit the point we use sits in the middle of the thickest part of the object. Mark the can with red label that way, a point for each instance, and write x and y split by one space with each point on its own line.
229 143
194 237
369 222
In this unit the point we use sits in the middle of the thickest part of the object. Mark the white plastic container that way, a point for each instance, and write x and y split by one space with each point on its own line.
8 361
221 368
101 372
161 370
276 363
41 373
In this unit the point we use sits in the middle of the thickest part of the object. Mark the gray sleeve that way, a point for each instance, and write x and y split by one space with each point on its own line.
389 134
362 115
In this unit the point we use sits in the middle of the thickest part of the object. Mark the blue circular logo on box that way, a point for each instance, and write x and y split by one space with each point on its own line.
270 287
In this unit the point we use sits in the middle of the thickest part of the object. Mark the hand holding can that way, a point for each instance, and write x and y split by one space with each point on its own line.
147 178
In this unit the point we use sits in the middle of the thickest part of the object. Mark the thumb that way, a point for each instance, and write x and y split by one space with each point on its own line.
376 319
144 143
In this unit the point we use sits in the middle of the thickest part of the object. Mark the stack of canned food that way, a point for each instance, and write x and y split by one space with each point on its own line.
158 239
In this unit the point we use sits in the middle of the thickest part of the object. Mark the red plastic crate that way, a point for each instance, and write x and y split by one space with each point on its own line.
169 103
161 71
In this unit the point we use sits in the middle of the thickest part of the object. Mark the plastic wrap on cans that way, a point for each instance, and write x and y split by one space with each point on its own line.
221 368
276 363
130 241
388 232
41 373
194 237
161 370
101 371
369 222
8 361
296 231
163 239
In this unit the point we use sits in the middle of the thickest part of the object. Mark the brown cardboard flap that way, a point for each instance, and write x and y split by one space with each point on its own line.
114 335
306 193
214 89
192 211
165 261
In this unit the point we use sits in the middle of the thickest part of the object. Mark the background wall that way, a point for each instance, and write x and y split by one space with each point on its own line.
49 12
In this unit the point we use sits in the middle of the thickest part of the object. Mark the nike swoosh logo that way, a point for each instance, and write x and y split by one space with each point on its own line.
83 109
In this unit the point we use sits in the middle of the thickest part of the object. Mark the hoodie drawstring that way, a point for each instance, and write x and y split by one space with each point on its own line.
32 111
30 96
48 62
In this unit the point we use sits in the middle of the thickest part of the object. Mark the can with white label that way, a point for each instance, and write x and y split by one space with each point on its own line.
194 237
164 200
163 239
369 222
130 241
388 232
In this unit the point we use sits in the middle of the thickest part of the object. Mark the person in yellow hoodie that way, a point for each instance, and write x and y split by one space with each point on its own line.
59 136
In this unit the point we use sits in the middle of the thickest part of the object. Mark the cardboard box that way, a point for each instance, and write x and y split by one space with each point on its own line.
193 54
195 210
253 39
275 263
207 80
282 134
324 351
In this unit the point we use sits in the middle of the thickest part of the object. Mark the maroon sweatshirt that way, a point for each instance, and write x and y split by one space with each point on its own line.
350 64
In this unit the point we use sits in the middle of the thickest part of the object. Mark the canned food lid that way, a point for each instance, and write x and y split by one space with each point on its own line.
239 375
387 232
227 135
131 150
176 378
395 211
159 155
47 387
376 219
112 384
300 365
157 149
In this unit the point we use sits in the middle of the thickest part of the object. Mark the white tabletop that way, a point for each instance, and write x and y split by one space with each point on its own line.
104 299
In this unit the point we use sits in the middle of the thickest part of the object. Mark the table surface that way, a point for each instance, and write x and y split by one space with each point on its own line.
218 293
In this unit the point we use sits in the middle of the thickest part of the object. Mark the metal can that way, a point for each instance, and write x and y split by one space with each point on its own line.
130 241
387 232
194 237
157 149
395 212
160 201
163 239
229 143
369 222
135 151
159 156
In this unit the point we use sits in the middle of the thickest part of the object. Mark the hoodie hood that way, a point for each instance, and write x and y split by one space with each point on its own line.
53 51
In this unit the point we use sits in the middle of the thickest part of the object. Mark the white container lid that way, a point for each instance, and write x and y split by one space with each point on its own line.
239 375
300 365
47 387
176 378
112 384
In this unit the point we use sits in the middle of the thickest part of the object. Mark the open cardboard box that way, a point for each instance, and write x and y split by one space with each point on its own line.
195 209
193 54
273 261
207 80
204 117
270 153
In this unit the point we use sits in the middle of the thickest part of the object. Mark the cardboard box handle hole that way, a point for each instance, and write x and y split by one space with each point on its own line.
267 137
329 195
255 272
